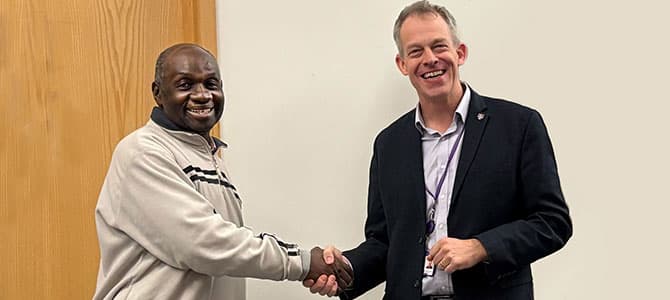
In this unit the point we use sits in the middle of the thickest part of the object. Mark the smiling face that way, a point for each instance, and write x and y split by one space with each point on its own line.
189 89
430 58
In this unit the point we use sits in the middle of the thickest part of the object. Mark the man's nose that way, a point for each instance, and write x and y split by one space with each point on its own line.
201 93
429 57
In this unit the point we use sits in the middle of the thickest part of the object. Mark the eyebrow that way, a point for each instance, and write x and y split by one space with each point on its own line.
433 42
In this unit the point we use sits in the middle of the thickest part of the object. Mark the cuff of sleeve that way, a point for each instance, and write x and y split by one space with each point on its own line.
493 246
295 269
306 257
351 286
346 260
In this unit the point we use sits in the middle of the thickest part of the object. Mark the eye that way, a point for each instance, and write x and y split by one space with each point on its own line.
212 84
183 85
414 53
441 47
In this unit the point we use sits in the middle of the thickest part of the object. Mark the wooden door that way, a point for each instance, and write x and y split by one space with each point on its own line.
75 78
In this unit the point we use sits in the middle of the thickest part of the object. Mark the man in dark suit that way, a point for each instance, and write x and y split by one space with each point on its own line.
464 191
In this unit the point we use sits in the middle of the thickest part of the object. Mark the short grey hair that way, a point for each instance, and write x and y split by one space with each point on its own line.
422 8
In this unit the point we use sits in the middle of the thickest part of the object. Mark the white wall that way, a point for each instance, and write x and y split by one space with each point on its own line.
310 83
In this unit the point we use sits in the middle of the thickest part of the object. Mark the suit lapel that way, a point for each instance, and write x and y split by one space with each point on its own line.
412 153
475 124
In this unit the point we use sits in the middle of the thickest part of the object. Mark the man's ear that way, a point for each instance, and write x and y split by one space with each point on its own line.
155 90
462 52
400 63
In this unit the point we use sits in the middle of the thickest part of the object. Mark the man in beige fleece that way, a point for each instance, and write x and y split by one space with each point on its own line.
169 219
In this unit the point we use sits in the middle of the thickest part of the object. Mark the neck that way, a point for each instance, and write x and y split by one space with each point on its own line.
438 113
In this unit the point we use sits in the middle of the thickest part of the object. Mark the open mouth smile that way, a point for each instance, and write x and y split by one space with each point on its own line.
433 74
200 112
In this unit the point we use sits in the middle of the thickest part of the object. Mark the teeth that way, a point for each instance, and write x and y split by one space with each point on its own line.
201 111
432 74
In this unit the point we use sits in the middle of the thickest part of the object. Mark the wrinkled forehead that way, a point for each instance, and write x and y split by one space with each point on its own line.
424 25
191 58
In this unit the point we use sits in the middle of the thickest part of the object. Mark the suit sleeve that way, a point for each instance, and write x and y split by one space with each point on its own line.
160 210
544 225
369 258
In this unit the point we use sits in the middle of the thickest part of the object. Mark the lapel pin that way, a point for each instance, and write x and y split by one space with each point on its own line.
480 116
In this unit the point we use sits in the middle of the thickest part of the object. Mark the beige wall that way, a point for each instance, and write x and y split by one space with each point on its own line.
310 83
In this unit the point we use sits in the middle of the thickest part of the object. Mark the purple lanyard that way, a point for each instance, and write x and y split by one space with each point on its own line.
430 224
444 175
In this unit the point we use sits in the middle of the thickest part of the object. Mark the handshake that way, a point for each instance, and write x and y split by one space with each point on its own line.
329 272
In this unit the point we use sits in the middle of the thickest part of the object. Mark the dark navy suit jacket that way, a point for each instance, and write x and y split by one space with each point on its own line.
506 194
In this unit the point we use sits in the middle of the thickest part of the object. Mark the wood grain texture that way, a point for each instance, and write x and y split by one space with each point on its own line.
74 79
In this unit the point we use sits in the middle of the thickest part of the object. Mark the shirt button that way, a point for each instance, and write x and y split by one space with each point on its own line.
441 225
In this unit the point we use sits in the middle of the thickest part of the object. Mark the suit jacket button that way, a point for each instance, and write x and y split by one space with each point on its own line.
417 284
421 240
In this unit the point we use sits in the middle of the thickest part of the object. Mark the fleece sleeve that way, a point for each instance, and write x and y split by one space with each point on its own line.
157 206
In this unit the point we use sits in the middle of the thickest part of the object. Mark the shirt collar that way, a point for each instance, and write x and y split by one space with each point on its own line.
461 110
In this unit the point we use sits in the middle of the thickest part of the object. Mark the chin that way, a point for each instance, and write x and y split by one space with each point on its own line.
436 96
201 128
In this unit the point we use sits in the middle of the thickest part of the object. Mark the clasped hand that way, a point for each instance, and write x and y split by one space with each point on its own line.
329 273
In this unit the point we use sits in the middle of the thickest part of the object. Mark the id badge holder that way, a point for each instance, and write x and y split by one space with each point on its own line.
428 268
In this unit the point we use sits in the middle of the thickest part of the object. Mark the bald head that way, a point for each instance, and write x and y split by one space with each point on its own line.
163 56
